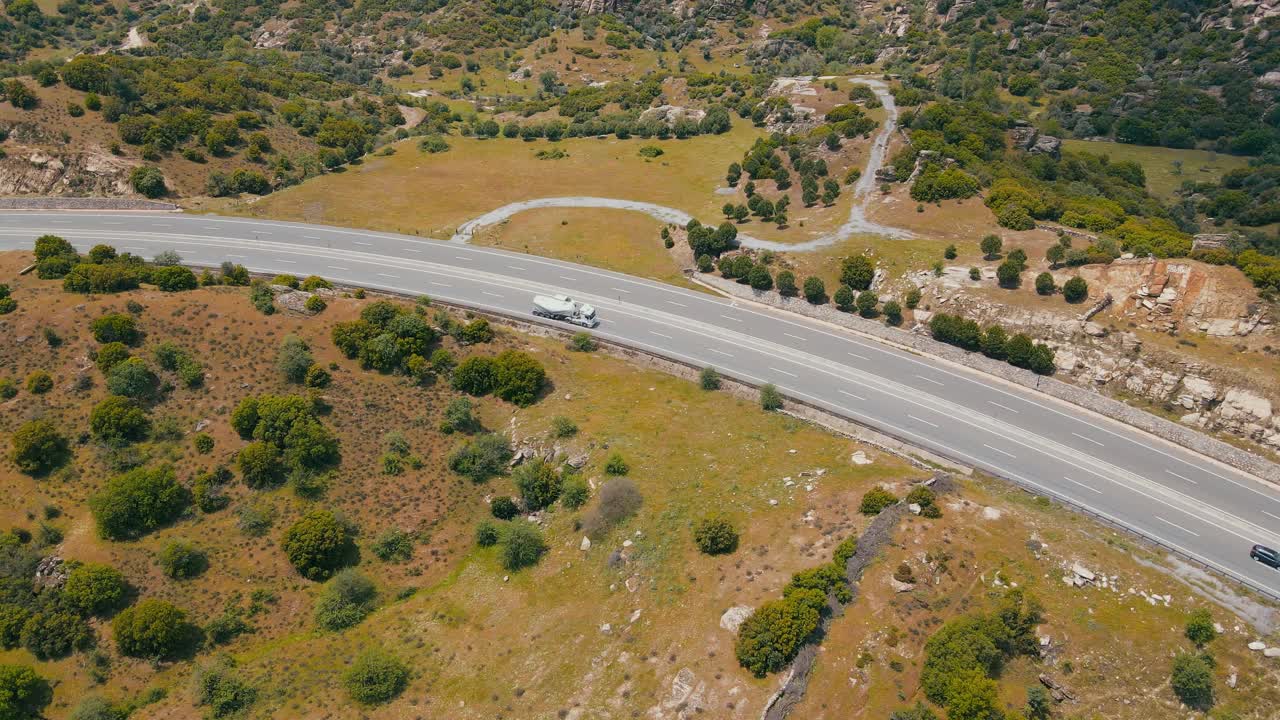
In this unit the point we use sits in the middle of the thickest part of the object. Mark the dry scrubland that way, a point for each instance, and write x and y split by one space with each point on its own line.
1111 648
470 636
484 642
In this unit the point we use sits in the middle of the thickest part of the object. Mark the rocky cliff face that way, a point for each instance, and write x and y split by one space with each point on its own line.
28 171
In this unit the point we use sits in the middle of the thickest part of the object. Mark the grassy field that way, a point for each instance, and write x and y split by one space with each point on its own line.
431 195
1164 175
612 239
1111 648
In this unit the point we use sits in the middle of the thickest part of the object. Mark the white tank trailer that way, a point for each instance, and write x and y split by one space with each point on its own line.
565 308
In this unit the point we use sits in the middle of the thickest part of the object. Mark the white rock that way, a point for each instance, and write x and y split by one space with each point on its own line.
1083 572
733 618
635 615
1272 652
914 508
860 458
990 513
585 545
1257 645
773 502
606 628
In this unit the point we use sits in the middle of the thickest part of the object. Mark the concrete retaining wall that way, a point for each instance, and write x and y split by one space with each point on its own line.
78 203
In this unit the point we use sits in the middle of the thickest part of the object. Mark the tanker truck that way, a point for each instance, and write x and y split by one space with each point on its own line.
563 307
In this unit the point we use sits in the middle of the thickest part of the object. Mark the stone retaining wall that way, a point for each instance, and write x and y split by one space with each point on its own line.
85 203
1074 394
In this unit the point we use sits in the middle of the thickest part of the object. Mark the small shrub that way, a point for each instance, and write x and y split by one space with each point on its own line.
619 500
482 458
715 536
94 589
522 546
1192 681
181 560
582 342
503 508
38 448
375 677
315 304
39 382
458 417
1200 628
770 398
345 600
574 492
875 500
563 427
218 688
487 534
709 379
616 465
1045 284
904 574
1075 290
393 545
539 484
770 638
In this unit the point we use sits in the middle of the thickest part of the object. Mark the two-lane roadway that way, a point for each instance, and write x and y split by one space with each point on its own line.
1195 505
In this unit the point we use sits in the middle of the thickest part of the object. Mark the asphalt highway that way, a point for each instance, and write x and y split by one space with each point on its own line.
1185 501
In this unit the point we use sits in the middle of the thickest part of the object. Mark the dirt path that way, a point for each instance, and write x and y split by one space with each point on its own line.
856 224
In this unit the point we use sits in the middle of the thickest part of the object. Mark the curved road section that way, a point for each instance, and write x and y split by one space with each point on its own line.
1189 503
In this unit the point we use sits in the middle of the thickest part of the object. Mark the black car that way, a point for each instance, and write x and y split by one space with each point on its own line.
1266 556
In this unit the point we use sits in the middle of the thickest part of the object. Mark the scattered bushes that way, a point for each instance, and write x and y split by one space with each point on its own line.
770 398
928 502
616 465
39 382
715 536
709 379
116 327
289 428
1018 350
458 417
218 688
385 338
318 544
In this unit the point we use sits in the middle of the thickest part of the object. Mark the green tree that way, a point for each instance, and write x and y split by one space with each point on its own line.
815 291
38 448
118 420
786 282
39 382
759 278
875 500
294 359
1045 284
770 638
1039 706
866 303
476 375
1075 290
991 245
318 544
973 696
148 181
218 688
709 379
94 589
50 634
857 272
132 378
893 312
519 377
116 327
110 355
174 279
1009 273
375 677
23 694
522 546
1192 681
152 629
137 502
1055 255
844 298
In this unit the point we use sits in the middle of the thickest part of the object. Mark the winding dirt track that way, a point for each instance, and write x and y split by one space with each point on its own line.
856 224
